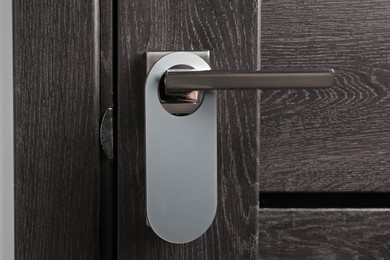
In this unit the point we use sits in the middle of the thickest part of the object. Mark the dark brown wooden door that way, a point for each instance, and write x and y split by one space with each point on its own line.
57 114
302 174
331 145
330 148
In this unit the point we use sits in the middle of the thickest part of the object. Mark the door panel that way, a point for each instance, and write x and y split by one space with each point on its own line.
334 140
56 98
327 140
229 30
324 234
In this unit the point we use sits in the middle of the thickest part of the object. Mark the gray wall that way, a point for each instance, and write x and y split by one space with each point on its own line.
6 133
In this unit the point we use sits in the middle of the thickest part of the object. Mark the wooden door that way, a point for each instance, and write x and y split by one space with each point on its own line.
56 122
327 151
319 159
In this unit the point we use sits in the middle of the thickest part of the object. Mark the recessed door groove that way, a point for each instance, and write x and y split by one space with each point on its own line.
325 200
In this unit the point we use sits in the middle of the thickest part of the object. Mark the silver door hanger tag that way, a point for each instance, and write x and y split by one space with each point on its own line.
181 158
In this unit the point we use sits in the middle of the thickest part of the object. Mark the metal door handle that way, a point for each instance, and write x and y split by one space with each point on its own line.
184 81
181 130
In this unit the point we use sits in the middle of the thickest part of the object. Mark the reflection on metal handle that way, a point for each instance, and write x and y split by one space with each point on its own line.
184 81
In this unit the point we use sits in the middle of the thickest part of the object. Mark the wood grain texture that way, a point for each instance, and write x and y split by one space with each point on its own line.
229 30
336 139
56 68
107 239
324 234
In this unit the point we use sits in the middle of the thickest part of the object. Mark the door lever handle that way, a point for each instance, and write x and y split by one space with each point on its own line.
181 131
184 81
